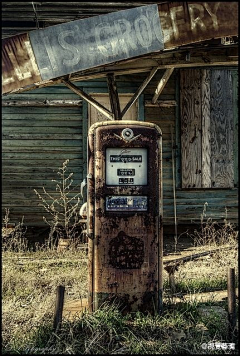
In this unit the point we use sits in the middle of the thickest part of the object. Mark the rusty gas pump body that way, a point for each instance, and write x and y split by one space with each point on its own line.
125 215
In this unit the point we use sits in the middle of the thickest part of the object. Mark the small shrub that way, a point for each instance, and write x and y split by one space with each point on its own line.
63 208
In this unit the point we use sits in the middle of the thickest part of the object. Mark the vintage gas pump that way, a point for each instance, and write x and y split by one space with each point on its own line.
125 215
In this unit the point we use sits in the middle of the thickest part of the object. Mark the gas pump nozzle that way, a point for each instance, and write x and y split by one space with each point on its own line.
83 184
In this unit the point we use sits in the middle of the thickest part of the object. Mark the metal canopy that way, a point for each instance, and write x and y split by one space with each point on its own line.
194 34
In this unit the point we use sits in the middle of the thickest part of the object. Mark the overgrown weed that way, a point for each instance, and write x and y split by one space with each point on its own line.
212 233
62 208
29 292
13 238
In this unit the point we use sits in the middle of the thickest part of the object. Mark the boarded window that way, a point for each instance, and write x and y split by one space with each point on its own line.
206 100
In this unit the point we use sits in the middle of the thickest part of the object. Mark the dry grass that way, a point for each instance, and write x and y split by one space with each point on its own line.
29 289
29 284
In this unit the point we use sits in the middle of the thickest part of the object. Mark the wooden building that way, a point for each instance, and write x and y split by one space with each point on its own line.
189 88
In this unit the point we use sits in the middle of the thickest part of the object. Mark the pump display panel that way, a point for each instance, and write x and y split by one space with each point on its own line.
126 166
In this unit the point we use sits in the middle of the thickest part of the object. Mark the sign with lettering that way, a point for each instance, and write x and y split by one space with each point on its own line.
55 51
126 203
126 158
126 166
189 22
97 40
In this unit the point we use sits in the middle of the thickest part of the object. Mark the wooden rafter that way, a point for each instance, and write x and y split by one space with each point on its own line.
139 91
175 59
89 99
163 81
113 95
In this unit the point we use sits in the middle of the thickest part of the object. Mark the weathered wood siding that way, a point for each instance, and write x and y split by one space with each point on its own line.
191 125
165 118
222 159
36 141
207 120
207 109
221 203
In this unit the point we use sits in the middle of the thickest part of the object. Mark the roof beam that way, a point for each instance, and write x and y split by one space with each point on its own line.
89 99
163 81
139 91
138 66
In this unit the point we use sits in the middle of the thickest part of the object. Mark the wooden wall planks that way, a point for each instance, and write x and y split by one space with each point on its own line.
206 99
222 129
206 130
191 127
29 163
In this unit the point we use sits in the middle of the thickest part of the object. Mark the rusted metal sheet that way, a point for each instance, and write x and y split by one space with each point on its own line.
188 22
125 250
19 67
97 40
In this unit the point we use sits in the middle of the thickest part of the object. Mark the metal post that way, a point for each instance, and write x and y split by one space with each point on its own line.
58 308
231 302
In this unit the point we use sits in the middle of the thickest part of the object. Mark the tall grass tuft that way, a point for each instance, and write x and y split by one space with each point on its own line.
13 238
63 208
212 233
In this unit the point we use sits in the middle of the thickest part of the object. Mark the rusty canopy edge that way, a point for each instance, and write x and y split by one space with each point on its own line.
29 59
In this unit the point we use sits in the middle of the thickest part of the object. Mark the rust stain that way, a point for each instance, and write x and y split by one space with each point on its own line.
188 22
125 256
126 252
181 22
19 67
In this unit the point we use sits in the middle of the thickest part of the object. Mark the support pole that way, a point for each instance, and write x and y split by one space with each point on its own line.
113 95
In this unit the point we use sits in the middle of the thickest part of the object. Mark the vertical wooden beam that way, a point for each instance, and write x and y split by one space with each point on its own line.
89 99
191 126
174 189
178 132
162 84
232 317
113 95
206 130
139 91
141 108
58 308
235 124
222 167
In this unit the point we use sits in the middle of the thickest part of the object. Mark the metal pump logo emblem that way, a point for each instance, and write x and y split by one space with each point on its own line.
127 135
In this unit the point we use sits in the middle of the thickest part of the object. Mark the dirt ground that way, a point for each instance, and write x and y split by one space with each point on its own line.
184 246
